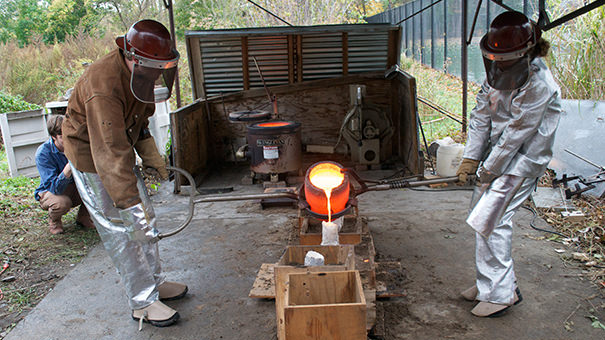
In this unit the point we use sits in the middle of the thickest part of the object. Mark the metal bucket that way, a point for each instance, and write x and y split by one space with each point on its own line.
316 197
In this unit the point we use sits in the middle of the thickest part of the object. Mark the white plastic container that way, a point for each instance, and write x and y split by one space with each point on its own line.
449 158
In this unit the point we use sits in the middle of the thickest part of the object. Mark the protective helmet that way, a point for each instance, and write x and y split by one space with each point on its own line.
149 44
505 50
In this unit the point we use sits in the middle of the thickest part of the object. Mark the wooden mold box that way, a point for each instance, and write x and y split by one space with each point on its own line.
333 255
336 258
325 305
350 233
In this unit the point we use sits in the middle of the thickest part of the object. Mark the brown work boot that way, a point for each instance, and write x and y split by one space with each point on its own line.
84 219
172 290
156 314
55 226
489 309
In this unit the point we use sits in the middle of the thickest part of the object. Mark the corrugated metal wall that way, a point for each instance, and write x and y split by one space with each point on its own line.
225 63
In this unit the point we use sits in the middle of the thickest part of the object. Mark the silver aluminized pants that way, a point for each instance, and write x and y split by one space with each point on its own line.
129 236
496 279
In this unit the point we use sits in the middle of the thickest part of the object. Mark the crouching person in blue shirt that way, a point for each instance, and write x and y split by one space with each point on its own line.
57 192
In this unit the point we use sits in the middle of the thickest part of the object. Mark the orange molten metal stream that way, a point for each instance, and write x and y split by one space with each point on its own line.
273 124
327 179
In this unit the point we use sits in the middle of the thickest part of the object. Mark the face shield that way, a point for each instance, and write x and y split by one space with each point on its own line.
151 80
506 71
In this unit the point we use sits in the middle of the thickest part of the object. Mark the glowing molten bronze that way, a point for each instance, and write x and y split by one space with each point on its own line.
326 188
273 124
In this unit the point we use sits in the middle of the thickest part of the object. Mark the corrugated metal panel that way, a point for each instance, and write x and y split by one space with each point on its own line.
368 51
271 53
222 64
322 54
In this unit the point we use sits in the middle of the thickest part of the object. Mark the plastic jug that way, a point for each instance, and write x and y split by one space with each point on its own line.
449 158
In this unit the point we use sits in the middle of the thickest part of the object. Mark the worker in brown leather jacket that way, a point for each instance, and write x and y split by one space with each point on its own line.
106 121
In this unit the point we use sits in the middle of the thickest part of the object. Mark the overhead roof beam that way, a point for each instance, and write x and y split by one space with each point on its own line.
546 25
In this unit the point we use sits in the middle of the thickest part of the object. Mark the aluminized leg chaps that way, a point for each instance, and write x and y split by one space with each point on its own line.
129 236
496 279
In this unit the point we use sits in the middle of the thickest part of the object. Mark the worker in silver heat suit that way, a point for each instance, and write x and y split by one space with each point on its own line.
106 121
509 145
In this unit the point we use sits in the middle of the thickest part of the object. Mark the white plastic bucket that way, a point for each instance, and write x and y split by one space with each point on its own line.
449 158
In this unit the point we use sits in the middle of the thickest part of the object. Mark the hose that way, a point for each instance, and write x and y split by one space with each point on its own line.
531 223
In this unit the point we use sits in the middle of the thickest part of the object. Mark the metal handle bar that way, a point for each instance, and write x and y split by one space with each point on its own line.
208 199
191 195
222 198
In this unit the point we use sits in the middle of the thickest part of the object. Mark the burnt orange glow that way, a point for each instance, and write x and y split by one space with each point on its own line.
273 124
327 176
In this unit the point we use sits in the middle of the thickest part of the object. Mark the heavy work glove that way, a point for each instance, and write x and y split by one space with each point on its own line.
151 157
485 176
467 167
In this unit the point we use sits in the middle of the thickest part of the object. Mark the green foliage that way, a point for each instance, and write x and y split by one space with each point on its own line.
19 185
21 299
10 103
447 95
68 17
17 195
33 21
213 14
3 163
22 20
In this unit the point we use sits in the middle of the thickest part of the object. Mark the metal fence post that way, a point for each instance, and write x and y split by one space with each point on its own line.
422 34
413 20
464 63
445 35
407 32
432 38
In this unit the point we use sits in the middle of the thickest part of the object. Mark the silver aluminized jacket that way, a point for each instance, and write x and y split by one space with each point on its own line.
512 132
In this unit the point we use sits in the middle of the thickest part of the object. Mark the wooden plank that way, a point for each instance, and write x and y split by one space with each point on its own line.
394 48
407 128
379 331
264 285
189 136
370 295
299 59
291 54
325 305
245 63
195 65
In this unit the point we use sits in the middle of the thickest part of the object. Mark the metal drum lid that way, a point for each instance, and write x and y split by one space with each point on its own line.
248 116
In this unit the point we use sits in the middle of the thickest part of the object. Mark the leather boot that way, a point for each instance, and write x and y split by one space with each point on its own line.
55 226
172 290
470 294
157 314
84 219
489 309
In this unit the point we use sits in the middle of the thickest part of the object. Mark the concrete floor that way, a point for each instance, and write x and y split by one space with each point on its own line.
219 254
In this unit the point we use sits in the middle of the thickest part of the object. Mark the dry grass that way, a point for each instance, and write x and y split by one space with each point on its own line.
41 73
576 57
